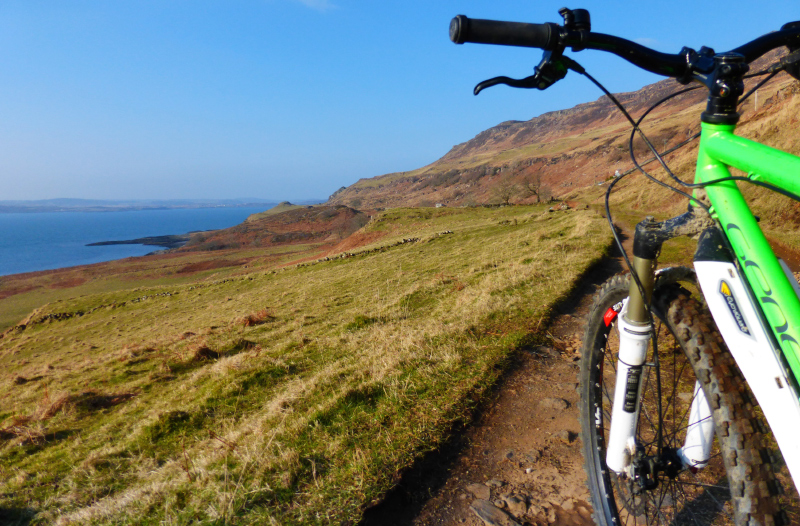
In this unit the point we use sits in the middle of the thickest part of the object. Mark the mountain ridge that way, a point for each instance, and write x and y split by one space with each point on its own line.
558 151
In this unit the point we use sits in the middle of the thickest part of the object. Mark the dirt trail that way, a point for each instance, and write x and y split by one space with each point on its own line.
520 462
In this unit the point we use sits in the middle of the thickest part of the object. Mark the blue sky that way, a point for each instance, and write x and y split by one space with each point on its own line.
287 99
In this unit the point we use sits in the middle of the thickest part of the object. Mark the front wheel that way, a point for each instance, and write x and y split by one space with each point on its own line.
737 485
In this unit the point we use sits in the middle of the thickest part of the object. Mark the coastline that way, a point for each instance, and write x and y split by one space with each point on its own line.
51 240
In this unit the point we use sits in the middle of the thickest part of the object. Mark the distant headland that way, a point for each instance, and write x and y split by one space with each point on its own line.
169 241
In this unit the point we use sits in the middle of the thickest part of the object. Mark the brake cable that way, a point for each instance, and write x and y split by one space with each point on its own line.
573 65
770 72
659 157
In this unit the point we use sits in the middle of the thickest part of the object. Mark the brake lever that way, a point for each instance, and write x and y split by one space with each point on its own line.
527 82
789 63
551 69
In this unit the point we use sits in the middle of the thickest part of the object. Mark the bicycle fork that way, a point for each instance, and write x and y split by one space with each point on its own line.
635 334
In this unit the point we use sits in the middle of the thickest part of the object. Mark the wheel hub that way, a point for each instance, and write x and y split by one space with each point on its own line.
646 469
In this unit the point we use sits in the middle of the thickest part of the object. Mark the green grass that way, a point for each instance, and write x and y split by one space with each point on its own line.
125 274
277 209
170 409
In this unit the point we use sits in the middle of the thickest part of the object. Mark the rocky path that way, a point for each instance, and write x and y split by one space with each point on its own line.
520 462
523 464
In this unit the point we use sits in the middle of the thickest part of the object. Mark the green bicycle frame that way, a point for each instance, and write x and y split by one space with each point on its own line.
719 149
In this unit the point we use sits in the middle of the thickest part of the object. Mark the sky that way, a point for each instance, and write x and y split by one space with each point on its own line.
288 99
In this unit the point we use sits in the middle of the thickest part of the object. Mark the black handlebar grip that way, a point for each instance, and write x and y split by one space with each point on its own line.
463 29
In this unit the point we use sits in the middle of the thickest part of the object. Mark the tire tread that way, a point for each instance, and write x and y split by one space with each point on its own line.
739 430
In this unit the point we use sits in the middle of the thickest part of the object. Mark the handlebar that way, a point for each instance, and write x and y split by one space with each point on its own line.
463 29
789 36
550 36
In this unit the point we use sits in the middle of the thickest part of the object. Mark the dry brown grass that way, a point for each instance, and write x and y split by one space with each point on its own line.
21 433
202 352
256 318
48 407
31 429
136 353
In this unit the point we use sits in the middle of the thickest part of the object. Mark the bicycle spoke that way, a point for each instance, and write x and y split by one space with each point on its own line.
674 495
658 509
687 426
710 494
677 428
672 397
686 507
647 416
686 413
700 485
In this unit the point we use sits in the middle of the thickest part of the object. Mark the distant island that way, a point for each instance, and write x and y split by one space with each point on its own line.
110 205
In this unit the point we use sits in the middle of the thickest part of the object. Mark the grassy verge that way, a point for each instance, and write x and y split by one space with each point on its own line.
291 396
22 293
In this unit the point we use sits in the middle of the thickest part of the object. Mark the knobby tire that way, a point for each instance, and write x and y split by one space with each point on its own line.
738 485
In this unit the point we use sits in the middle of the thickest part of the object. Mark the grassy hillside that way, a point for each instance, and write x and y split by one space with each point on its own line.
292 225
22 293
278 239
287 395
285 206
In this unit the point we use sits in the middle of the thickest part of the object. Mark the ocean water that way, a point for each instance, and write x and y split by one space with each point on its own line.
49 240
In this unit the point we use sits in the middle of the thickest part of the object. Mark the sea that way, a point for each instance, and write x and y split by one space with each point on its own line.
50 240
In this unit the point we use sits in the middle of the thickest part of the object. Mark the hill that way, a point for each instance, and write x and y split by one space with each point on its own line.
283 225
283 206
273 394
560 152
278 239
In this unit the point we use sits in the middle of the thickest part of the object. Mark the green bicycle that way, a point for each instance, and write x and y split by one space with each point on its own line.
670 432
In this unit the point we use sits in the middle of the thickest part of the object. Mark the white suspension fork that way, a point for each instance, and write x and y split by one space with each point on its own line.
634 340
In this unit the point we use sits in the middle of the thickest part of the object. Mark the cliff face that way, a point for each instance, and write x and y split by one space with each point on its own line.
554 153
